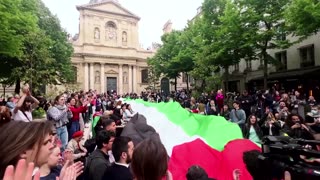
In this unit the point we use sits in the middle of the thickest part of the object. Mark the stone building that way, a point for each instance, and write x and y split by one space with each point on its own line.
107 53
298 68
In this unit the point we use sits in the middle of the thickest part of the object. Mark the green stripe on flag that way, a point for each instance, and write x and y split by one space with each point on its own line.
215 130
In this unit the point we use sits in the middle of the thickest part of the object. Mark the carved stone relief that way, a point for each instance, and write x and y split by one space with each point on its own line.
112 72
97 77
96 33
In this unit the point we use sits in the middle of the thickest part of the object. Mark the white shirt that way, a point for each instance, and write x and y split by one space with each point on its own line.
127 115
120 164
111 157
36 169
19 116
270 130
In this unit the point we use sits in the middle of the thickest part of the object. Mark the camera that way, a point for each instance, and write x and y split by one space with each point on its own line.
281 153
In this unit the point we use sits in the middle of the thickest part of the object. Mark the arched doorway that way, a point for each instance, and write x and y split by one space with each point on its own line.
165 85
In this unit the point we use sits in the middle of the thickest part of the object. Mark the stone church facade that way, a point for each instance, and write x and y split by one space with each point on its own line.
107 53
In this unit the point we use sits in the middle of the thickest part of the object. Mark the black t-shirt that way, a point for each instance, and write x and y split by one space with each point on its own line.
309 119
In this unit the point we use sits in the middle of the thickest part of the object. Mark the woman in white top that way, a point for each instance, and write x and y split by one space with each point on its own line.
128 113
23 109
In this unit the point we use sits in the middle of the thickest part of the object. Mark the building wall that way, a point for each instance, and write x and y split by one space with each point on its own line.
91 22
293 60
103 50
293 53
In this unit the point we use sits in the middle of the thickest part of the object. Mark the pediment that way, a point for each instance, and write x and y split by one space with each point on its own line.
112 72
109 6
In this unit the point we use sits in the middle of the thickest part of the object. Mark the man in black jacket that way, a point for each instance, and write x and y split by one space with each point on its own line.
246 102
98 162
122 150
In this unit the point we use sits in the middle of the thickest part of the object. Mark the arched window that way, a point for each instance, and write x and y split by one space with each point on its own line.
96 33
144 76
111 24
111 31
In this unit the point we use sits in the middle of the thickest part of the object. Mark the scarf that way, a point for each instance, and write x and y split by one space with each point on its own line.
61 107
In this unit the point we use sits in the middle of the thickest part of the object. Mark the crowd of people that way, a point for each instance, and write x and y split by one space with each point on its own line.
263 113
57 147
259 114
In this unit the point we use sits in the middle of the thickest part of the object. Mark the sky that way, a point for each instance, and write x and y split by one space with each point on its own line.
153 13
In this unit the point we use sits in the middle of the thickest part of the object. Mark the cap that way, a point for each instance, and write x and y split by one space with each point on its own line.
77 134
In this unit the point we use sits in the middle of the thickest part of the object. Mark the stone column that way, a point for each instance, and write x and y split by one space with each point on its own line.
135 79
130 79
86 77
102 78
120 80
91 77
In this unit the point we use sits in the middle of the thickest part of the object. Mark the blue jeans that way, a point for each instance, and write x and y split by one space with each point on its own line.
62 134
75 126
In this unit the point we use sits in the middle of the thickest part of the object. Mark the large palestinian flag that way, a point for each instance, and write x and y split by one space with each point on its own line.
193 139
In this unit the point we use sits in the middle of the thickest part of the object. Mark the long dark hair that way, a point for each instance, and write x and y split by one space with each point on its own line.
24 106
16 137
249 121
256 127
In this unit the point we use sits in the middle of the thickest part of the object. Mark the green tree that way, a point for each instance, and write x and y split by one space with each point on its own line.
16 19
190 42
266 24
36 62
154 72
303 16
203 75
42 54
165 58
60 49
226 35
194 63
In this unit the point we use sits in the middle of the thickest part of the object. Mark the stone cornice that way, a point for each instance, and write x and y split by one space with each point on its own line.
113 47
107 56
109 12
101 45
91 7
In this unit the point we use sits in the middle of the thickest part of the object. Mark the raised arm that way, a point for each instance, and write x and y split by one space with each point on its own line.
35 100
19 103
